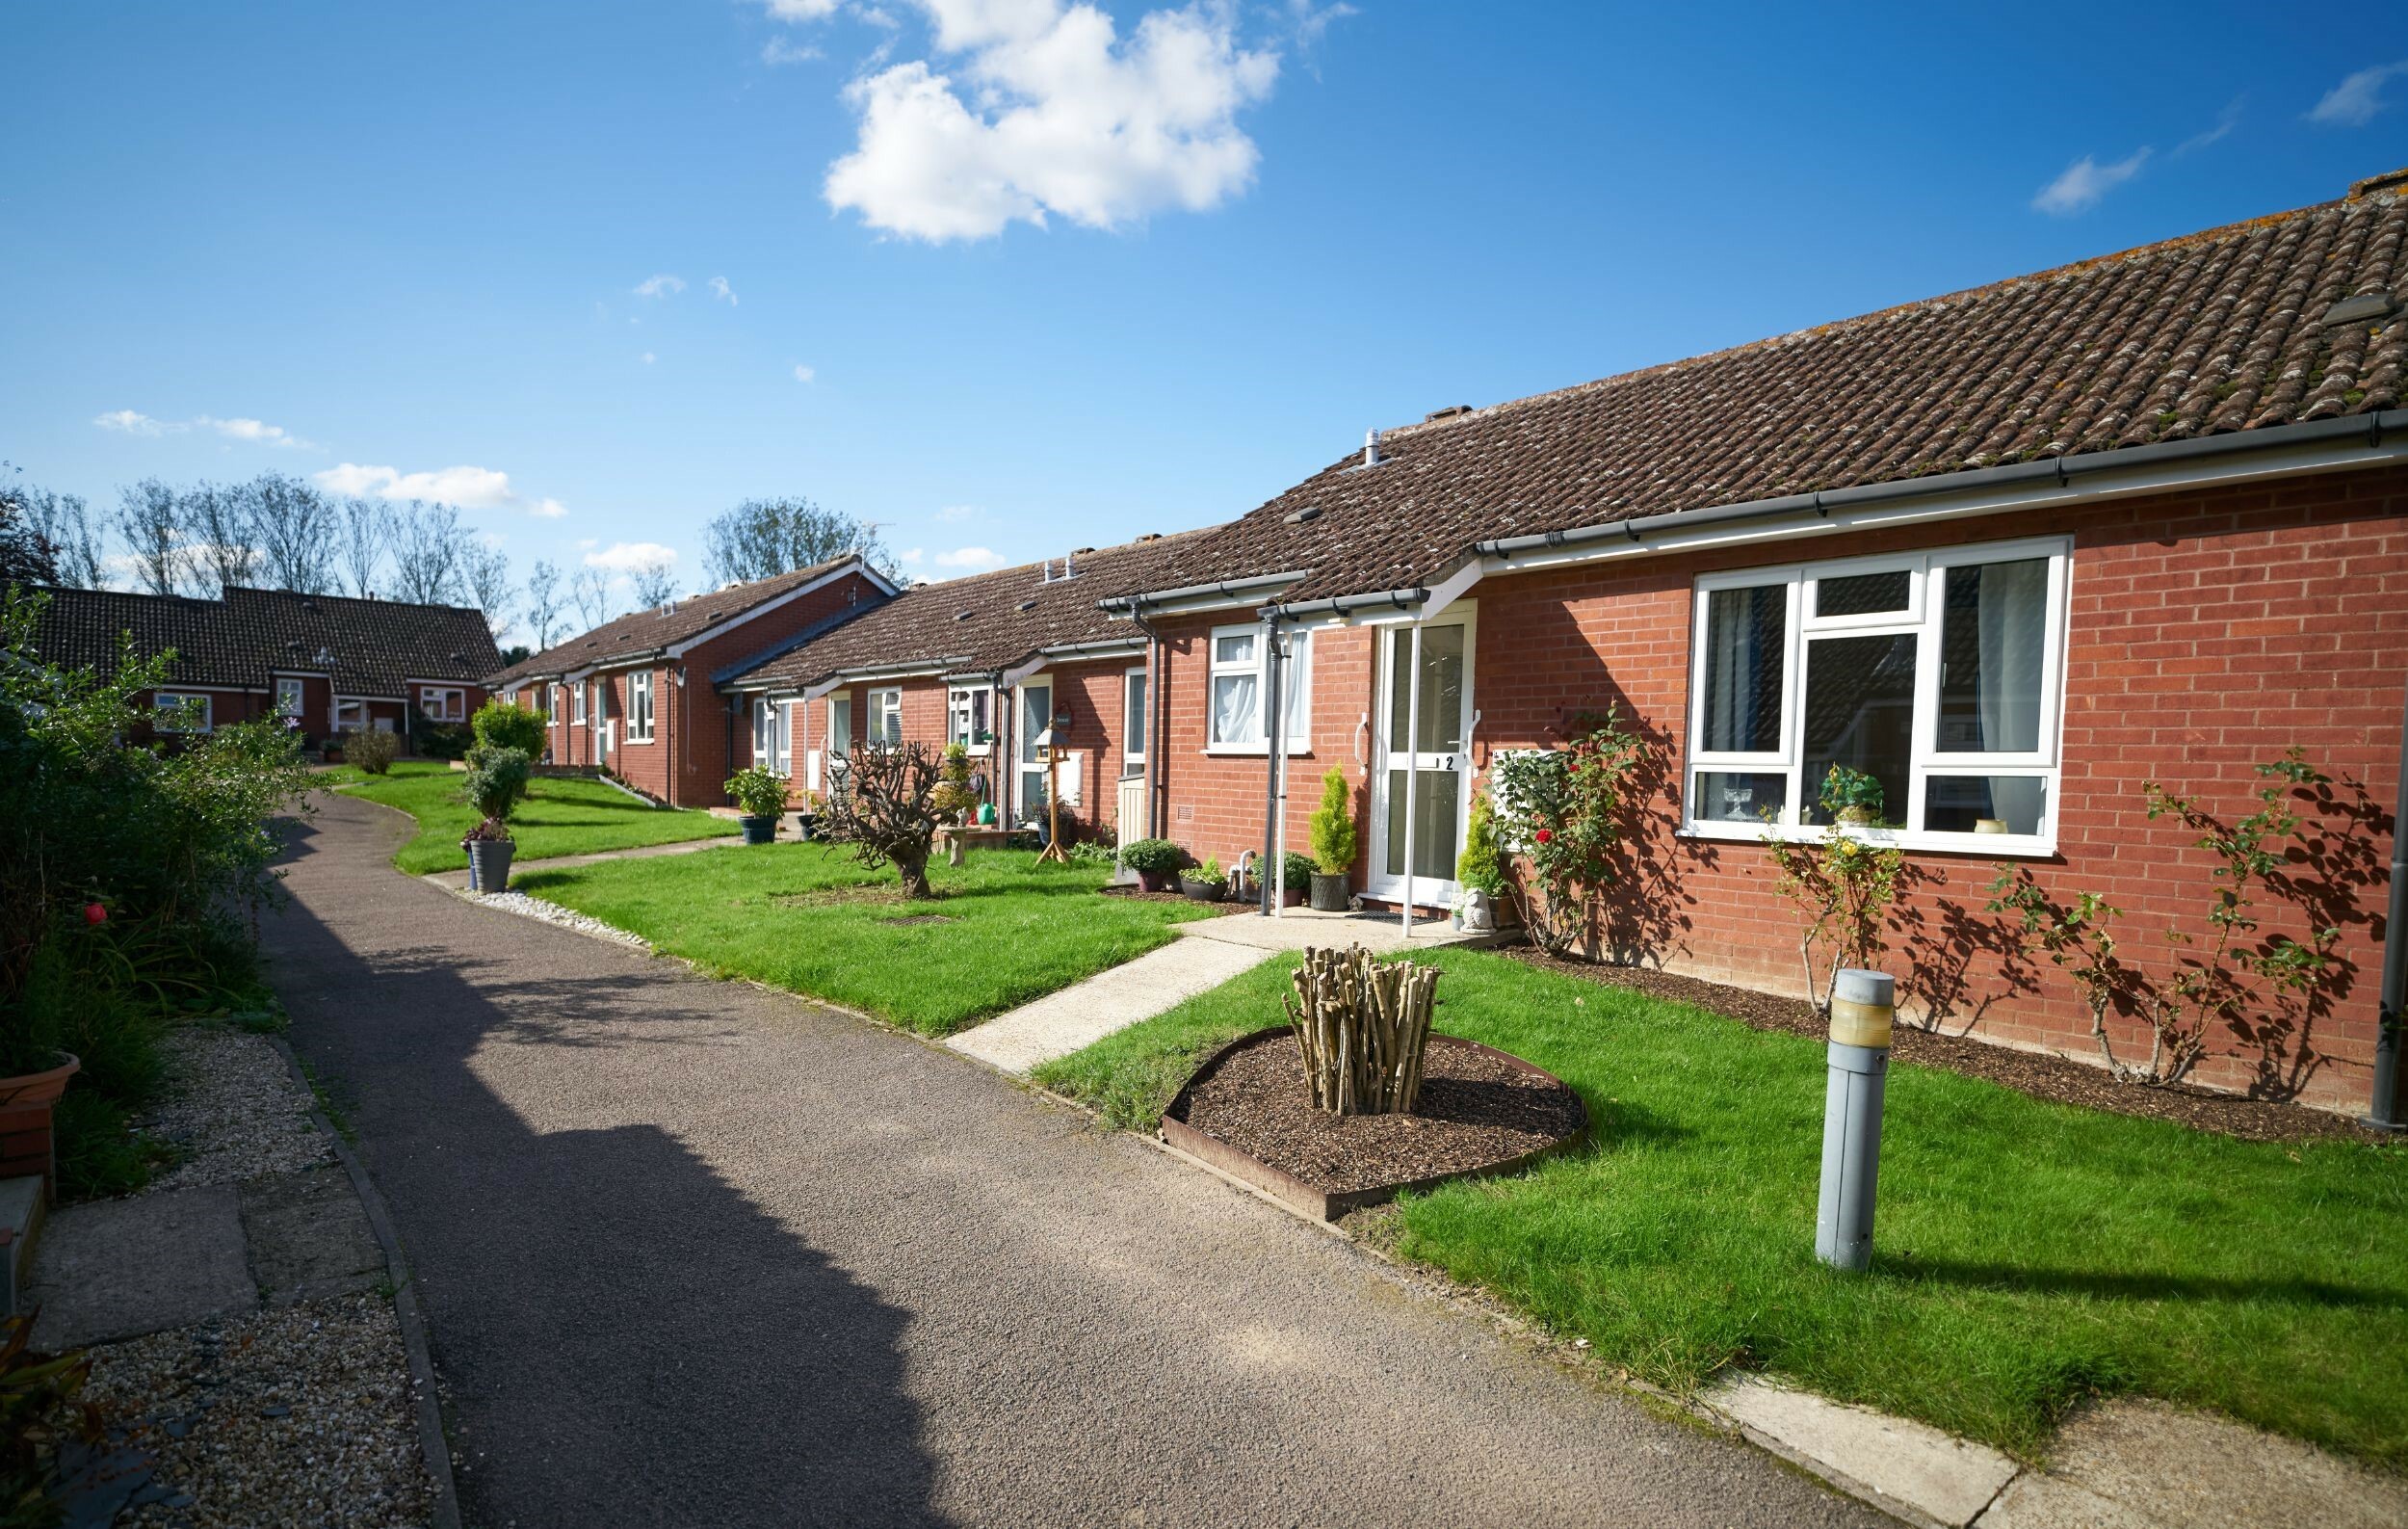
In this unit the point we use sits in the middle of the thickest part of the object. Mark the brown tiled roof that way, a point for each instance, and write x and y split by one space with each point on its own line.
2214 332
370 648
648 630
989 620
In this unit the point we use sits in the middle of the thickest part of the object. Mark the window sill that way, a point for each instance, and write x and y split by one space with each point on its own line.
1252 750
645 739
2000 846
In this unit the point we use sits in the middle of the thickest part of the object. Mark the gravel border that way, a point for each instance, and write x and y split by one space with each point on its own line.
536 908
234 1108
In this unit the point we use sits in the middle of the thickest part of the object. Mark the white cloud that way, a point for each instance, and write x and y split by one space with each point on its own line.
130 422
804 373
801 9
1061 117
630 557
1307 21
467 487
971 558
586 543
2225 121
781 50
2086 180
256 432
914 556
720 289
659 286
649 357
955 513
2356 100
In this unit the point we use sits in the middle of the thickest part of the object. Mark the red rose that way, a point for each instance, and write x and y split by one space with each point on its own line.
1545 834
95 913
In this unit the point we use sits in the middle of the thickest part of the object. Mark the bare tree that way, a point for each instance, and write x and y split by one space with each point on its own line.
887 811
429 552
485 573
761 538
543 601
293 525
592 593
219 537
655 583
27 555
367 532
63 522
147 522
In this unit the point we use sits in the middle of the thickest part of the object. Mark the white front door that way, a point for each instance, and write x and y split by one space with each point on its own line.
1437 754
1036 714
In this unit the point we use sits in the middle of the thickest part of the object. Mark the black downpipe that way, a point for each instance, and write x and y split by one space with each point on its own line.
1271 712
2383 1110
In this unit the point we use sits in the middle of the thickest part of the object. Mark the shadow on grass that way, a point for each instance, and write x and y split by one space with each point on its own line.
2131 1287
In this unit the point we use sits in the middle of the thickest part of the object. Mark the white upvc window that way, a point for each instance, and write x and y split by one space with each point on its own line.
577 702
288 695
442 703
773 735
969 716
886 716
1238 685
552 717
639 707
1133 716
1939 675
181 711
839 734
350 715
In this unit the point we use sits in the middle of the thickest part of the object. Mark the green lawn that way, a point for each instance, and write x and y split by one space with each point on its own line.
2027 1253
1002 930
563 816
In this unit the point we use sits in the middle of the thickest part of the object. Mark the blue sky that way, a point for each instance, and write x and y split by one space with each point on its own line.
1051 279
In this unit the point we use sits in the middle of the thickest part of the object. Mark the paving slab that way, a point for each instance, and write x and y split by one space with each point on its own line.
1295 927
122 1268
309 1236
2139 1464
562 862
1906 1468
1062 1023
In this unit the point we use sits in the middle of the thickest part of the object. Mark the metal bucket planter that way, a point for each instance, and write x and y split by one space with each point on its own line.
1330 892
759 830
489 864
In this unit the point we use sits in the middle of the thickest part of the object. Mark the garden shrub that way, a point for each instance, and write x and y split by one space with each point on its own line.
505 724
1562 811
1153 856
441 740
130 876
759 791
1332 825
374 750
495 784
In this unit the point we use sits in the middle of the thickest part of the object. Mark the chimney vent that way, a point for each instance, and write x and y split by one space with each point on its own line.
1370 448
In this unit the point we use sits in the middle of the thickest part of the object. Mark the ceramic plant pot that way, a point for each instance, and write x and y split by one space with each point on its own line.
1330 892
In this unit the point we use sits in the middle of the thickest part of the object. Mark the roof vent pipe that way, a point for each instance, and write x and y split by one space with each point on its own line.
1370 448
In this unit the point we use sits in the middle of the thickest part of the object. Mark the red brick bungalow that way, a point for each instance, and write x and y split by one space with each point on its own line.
634 695
335 664
989 662
2014 552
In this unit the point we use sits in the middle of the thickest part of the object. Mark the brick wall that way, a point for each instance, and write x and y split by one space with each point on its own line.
2208 632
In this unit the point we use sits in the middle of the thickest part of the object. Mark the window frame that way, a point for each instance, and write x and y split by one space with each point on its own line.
1297 696
164 703
300 703
884 701
577 703
452 698
1134 690
1924 617
639 706
354 703
961 707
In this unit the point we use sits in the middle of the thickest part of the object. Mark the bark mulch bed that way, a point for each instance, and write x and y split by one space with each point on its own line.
1139 894
2040 1074
1476 1109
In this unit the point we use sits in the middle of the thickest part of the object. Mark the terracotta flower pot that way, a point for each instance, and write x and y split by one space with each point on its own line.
27 1145
1157 880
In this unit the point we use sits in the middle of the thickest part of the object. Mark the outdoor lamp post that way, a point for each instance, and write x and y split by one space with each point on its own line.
1045 754
1862 1006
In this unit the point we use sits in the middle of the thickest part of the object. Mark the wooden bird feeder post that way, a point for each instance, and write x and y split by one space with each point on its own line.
1048 753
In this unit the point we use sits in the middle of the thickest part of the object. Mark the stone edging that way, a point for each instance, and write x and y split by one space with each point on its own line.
433 1446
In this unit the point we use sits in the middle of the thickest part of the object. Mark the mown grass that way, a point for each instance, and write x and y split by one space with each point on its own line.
560 816
2027 1254
1005 929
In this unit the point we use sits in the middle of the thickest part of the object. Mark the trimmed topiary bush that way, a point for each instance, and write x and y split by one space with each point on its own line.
502 725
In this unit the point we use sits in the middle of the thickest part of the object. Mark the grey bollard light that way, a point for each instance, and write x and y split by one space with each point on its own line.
1862 1003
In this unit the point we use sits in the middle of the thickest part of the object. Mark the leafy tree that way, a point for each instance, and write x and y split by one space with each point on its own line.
502 725
763 538
655 584
27 556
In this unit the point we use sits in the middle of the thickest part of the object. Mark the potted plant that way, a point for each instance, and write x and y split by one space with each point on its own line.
1206 884
1332 828
1853 797
760 794
1156 861
495 785
1296 878
1479 870
955 799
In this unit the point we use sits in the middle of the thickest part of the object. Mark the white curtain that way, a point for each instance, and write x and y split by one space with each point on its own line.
1235 709
2011 618
1737 671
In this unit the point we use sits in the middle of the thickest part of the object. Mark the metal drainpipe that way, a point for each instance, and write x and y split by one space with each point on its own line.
2392 1011
1270 749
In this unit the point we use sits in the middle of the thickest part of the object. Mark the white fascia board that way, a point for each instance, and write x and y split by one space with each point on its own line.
1453 588
2089 488
723 628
